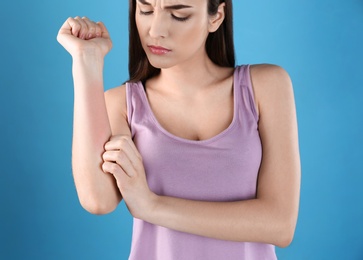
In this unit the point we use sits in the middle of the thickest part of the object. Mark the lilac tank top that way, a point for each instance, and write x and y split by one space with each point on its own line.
222 168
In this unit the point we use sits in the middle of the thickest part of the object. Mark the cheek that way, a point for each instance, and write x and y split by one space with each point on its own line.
195 34
200 27
140 27
194 29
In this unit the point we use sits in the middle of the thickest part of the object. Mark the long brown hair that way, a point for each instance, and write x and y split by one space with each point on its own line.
219 44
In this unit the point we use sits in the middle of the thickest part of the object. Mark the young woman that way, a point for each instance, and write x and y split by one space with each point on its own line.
204 154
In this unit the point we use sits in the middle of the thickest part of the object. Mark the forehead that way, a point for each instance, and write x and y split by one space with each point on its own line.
162 3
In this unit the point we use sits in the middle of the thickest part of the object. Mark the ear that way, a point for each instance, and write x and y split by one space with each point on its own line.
216 20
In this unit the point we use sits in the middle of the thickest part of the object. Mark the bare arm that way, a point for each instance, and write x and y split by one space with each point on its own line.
88 43
271 217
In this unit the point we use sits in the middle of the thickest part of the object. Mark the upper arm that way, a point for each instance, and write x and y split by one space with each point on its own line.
279 176
117 110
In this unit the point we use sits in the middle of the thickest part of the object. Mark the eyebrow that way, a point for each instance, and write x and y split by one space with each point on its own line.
169 7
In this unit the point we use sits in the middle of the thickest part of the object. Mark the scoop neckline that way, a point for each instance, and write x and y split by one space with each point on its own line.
190 141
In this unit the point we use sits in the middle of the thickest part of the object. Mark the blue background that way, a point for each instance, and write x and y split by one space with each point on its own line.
320 43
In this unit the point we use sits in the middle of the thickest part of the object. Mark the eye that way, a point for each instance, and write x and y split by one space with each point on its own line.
180 19
146 13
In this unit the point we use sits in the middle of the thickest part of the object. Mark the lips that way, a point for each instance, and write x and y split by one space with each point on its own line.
158 50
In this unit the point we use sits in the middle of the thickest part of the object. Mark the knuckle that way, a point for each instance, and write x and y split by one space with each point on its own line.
84 27
121 157
121 142
77 26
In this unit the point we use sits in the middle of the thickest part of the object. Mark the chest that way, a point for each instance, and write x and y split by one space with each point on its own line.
195 117
221 169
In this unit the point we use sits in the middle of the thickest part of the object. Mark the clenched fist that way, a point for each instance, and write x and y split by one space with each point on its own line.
83 36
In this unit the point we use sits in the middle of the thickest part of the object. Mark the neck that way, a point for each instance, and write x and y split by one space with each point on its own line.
193 76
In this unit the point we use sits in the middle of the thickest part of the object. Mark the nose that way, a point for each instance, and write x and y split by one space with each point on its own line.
159 26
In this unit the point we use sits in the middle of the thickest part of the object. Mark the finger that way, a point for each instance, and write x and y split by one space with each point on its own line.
121 159
70 26
84 28
113 168
125 145
104 31
116 171
98 30
127 141
91 28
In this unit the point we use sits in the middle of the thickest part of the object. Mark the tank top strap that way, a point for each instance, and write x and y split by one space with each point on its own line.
244 90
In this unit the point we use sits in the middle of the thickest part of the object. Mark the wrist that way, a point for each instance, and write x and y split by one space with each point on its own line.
92 58
152 208
87 68
88 53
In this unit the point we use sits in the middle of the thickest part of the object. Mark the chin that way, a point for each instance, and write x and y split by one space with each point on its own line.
161 63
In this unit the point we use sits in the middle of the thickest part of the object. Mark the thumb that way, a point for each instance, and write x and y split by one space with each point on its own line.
70 27
68 33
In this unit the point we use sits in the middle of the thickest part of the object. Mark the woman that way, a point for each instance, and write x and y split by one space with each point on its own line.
204 154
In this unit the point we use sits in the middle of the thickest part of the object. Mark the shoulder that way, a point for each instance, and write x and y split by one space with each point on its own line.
269 69
116 91
270 83
269 76
116 98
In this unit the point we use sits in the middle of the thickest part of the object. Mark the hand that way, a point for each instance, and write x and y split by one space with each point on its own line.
124 162
81 35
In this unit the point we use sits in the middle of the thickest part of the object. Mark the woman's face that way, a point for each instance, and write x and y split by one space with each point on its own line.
172 32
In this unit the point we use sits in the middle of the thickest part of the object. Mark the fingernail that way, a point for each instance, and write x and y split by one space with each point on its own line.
89 35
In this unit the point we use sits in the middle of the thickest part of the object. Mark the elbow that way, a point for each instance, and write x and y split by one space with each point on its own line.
284 240
285 235
96 207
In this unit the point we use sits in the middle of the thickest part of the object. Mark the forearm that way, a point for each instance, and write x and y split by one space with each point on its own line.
253 220
91 130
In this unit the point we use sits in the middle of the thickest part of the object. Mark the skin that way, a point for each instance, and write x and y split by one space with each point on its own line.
185 97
